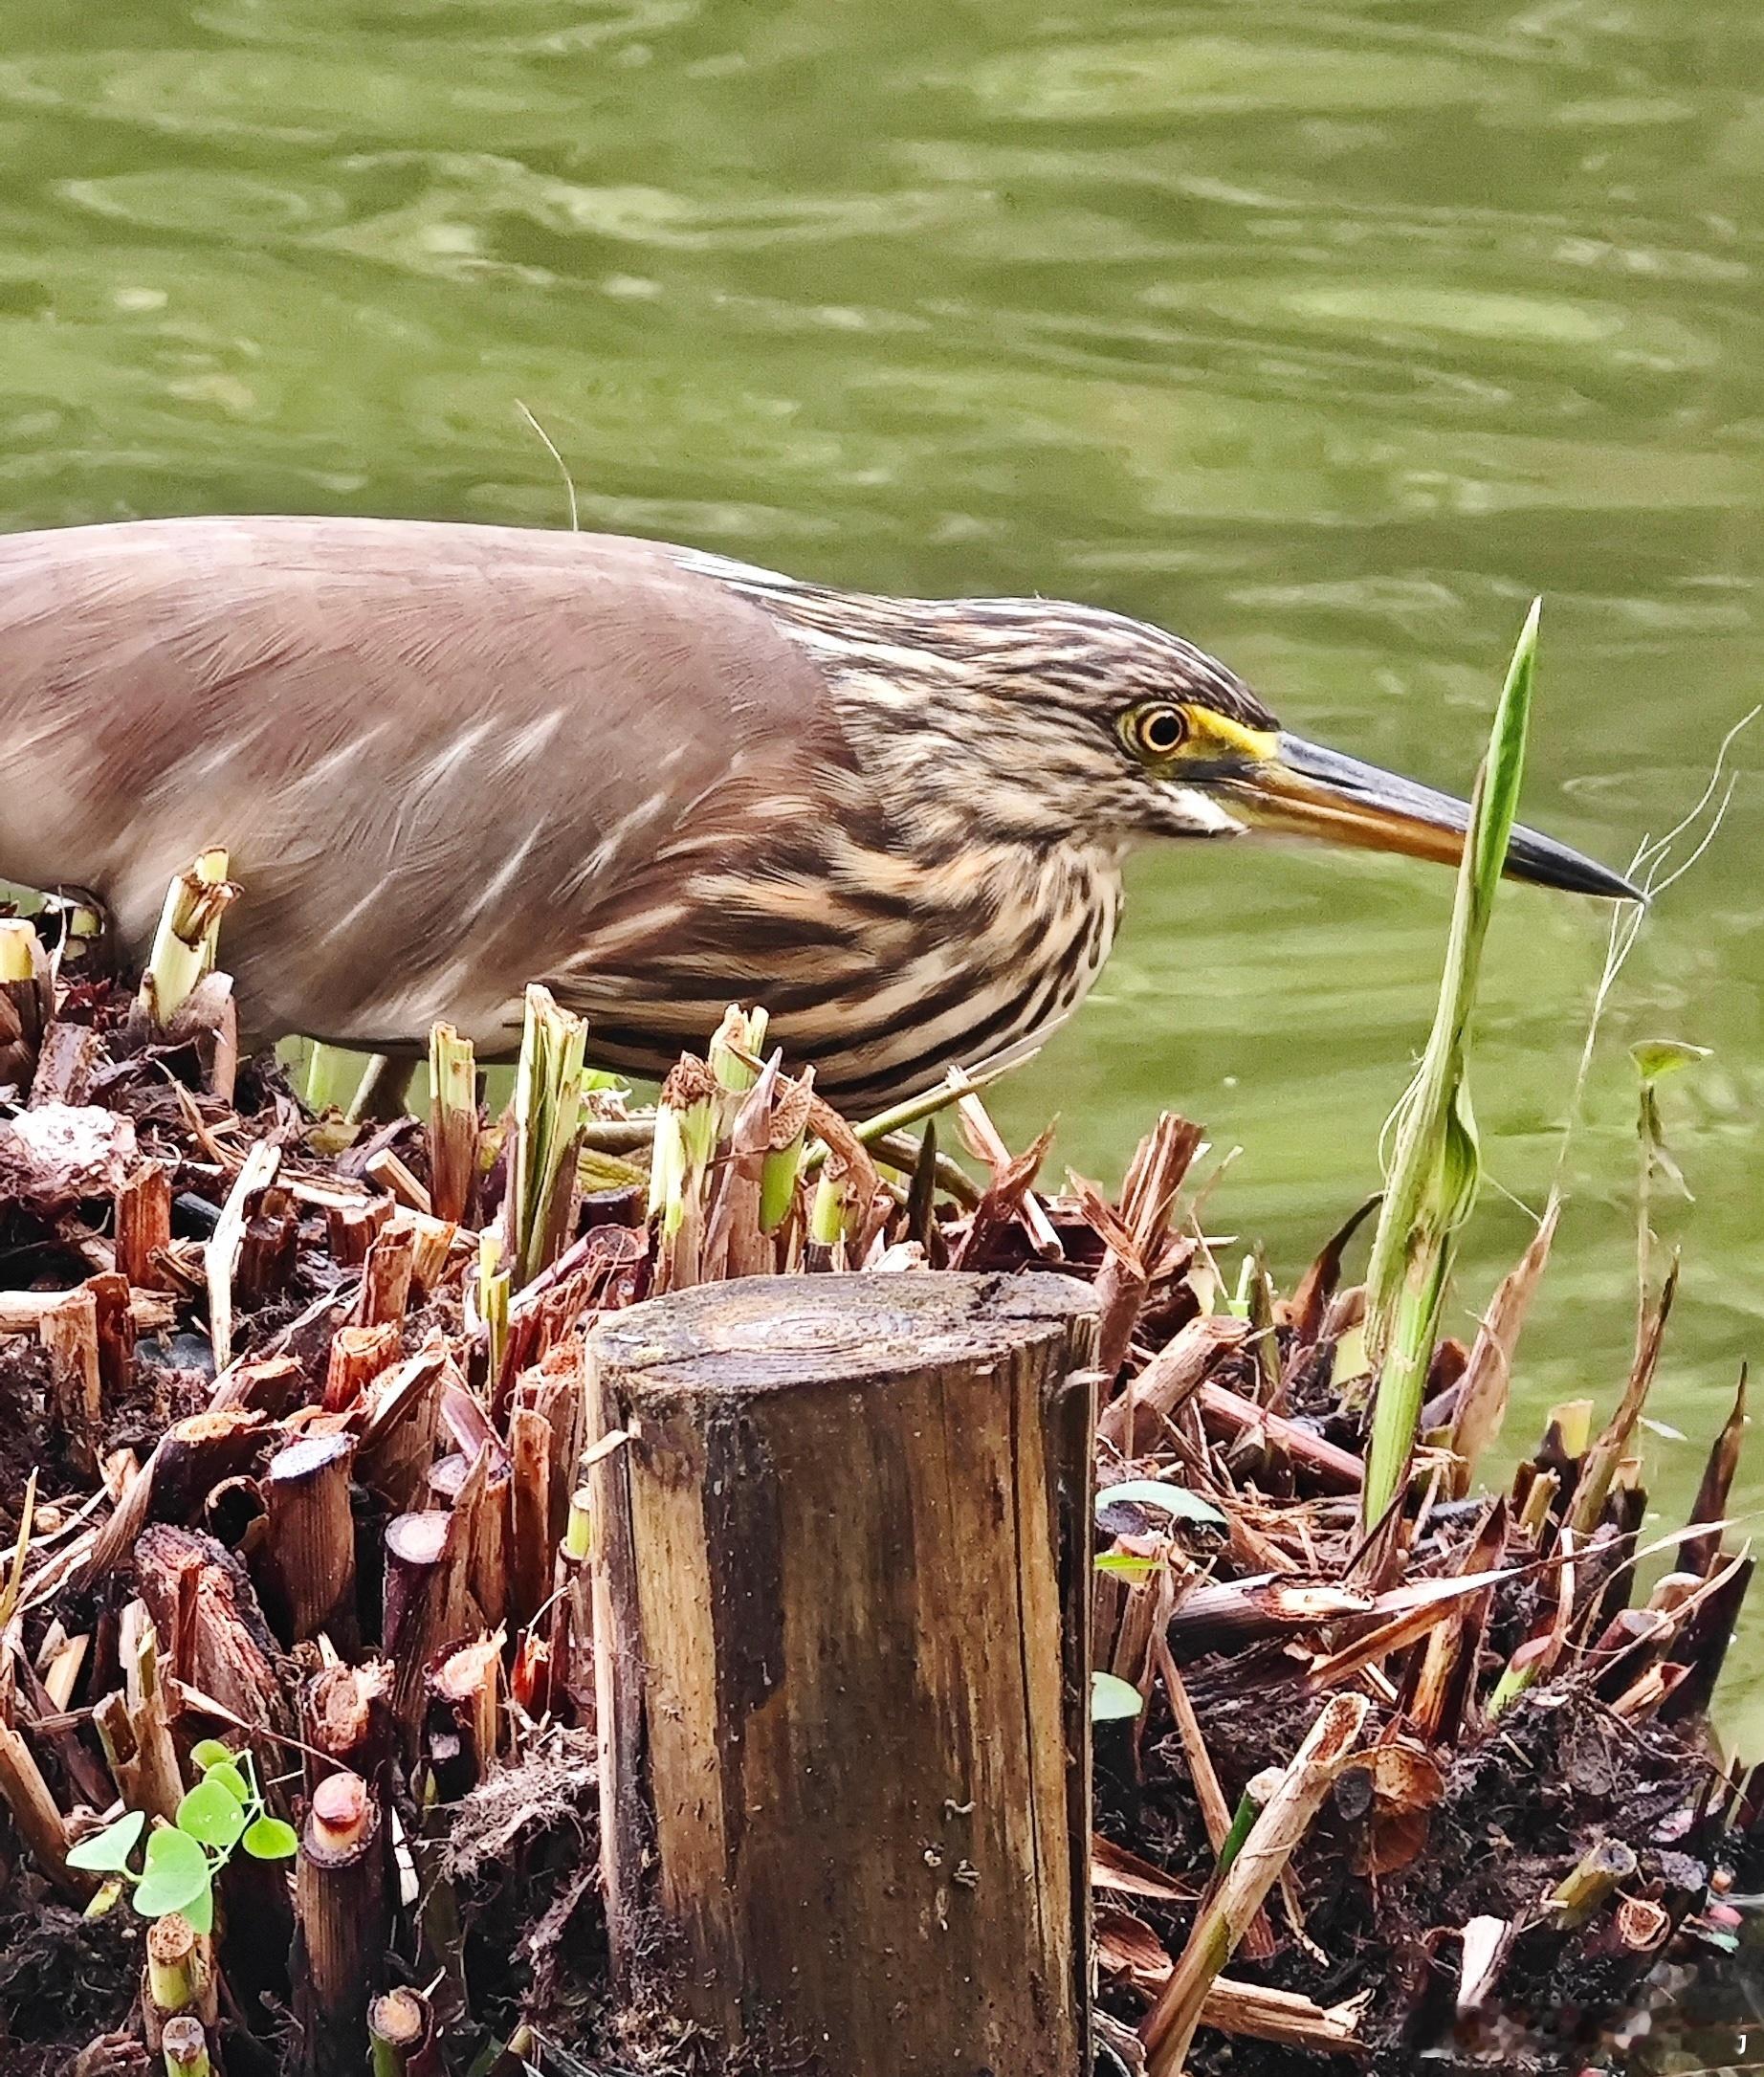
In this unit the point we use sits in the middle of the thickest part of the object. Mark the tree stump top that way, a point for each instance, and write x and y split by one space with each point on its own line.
796 1331
841 1589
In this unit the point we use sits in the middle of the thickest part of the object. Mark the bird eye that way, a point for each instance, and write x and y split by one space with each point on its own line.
1156 731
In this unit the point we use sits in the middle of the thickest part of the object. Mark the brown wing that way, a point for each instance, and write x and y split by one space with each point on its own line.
432 751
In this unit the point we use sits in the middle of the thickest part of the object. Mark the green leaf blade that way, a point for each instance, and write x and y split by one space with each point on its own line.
176 1877
270 1840
1656 1057
212 1815
107 1852
1436 1165
1176 1501
1114 1700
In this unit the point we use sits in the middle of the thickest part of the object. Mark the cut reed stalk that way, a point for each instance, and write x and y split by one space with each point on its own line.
17 951
453 1123
184 2046
1169 2027
400 2026
344 1910
184 946
543 1183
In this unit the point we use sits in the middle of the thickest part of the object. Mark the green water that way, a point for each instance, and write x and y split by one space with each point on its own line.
1325 334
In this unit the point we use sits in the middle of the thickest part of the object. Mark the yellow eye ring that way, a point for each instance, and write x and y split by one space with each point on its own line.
1158 730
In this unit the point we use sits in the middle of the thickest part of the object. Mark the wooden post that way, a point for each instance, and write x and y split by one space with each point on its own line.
842 1612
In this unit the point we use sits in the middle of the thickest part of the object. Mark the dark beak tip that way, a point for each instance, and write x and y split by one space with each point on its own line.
1546 863
1584 876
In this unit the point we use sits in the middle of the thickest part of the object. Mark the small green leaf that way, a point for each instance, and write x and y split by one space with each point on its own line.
199 1912
1655 1057
177 1874
107 1852
1177 1501
1112 1700
1127 1565
211 1815
211 1753
270 1840
225 1775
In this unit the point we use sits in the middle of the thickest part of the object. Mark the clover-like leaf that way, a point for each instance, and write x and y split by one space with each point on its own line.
1114 1700
1177 1501
177 1875
1655 1057
212 1815
199 1912
270 1840
211 1753
232 1778
107 1852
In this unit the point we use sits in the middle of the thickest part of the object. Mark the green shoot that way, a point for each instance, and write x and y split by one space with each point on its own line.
333 1077
579 1530
737 1043
17 951
1434 1168
492 1297
184 946
225 1811
688 1114
547 1123
185 2047
1244 1819
1654 1060
827 1215
400 2026
777 1180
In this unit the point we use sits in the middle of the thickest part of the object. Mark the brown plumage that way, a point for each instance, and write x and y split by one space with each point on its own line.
447 760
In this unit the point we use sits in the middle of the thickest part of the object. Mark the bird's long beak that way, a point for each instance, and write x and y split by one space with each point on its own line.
1303 789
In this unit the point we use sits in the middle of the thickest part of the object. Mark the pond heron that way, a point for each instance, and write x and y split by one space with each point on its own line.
447 760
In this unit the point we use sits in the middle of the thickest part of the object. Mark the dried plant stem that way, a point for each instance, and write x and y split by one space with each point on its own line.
342 1907
35 1815
542 1194
1215 1811
1590 1881
1169 2027
453 1123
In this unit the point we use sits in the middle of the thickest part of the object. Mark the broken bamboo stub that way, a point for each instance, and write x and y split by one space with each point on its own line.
344 1910
310 1540
848 1551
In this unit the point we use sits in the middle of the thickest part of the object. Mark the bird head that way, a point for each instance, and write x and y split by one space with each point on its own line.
1145 735
1206 757
1046 723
